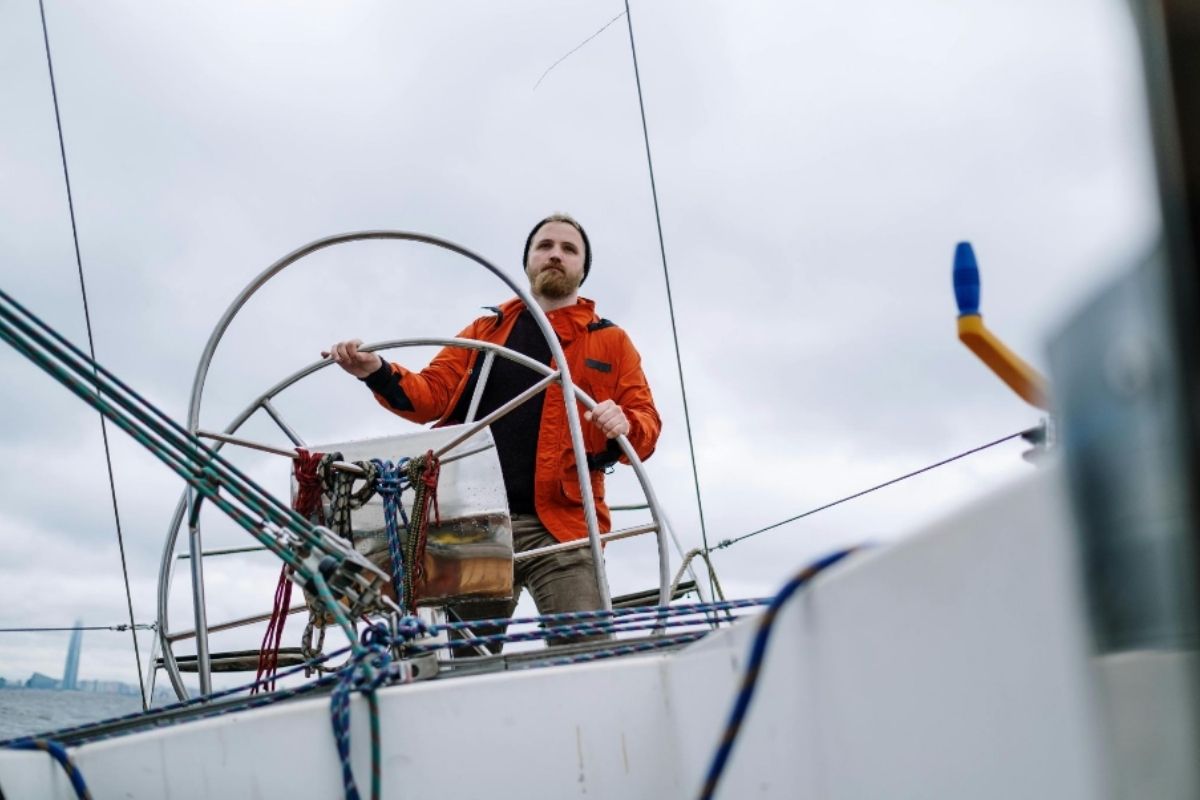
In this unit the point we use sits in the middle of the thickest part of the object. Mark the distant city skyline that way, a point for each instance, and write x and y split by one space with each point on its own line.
70 678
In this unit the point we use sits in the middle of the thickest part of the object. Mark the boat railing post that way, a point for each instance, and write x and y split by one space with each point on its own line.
203 663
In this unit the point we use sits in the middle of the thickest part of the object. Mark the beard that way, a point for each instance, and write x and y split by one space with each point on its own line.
554 284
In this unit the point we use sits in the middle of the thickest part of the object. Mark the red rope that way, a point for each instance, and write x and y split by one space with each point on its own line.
308 484
268 652
307 503
429 477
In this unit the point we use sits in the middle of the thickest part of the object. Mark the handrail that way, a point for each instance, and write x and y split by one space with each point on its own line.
233 623
625 533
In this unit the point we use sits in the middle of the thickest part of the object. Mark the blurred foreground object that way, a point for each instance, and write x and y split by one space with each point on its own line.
1127 386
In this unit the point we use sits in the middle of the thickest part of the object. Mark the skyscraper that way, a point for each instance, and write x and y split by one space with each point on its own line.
71 669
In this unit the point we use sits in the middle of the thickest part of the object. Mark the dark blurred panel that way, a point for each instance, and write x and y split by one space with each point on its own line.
1127 385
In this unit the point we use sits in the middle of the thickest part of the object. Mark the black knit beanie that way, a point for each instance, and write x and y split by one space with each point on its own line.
587 246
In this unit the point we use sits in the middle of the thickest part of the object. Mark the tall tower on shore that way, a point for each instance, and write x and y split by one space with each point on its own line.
71 669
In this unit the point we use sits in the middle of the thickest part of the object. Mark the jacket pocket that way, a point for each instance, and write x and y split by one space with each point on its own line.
570 488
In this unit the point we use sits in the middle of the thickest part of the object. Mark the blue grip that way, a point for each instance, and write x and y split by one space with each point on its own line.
966 279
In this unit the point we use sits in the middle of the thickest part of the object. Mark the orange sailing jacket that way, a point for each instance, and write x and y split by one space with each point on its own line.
602 361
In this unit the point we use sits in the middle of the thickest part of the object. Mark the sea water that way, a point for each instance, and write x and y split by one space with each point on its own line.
29 711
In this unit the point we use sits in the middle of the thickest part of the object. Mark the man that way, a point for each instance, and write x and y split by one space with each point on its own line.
533 442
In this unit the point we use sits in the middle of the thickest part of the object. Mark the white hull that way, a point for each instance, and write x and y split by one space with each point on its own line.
950 665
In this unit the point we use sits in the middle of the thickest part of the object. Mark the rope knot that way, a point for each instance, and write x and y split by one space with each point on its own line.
411 627
375 635
388 485
306 468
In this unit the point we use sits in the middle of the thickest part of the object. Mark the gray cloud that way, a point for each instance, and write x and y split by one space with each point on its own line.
815 168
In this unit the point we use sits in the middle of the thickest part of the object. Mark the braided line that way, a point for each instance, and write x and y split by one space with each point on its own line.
59 754
423 473
635 612
343 499
389 484
306 471
366 671
758 650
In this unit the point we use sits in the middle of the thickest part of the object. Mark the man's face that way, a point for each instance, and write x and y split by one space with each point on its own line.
555 263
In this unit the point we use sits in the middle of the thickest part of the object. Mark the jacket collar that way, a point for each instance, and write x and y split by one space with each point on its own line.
568 322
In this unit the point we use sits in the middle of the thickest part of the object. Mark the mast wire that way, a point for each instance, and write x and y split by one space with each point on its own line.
122 627
662 249
112 486
575 49
1026 434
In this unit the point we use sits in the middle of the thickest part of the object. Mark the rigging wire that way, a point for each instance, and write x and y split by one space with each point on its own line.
662 249
112 486
576 49
122 627
1026 434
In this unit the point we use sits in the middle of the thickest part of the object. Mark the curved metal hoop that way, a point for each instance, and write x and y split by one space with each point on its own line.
571 395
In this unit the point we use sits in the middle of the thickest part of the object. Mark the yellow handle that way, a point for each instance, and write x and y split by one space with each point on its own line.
1020 377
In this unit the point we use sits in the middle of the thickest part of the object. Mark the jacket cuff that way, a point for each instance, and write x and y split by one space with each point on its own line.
378 379
602 461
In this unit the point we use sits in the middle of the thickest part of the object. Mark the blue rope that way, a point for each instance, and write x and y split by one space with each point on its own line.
370 668
657 643
750 678
556 632
390 481
367 670
59 754
646 612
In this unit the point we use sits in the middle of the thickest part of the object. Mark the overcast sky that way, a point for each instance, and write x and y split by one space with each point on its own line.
816 164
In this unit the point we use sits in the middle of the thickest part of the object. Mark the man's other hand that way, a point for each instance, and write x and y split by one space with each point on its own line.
608 417
347 356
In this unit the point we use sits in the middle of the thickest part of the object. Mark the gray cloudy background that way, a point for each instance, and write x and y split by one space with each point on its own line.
816 163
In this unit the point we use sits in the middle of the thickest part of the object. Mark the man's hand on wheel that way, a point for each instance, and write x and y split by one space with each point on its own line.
608 417
347 356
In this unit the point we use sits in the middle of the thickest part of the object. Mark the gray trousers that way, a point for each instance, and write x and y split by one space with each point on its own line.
559 582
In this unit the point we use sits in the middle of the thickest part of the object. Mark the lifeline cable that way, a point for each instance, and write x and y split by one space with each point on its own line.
87 319
750 677
662 249
122 627
727 542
